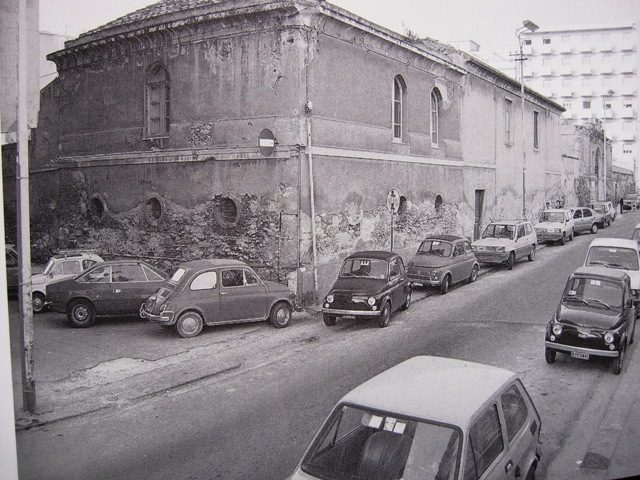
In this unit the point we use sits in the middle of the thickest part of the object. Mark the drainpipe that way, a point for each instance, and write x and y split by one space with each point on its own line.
307 107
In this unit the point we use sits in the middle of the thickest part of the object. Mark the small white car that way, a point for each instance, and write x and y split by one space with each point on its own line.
621 254
636 234
555 225
64 264
506 241
429 418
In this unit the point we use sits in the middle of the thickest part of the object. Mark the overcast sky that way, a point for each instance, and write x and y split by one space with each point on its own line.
491 23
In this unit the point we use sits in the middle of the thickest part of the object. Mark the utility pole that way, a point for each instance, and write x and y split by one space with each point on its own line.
24 230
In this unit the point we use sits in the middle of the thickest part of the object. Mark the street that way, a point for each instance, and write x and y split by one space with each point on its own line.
243 402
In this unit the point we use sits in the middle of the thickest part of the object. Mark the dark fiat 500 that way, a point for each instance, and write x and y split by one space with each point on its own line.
595 317
106 289
216 292
371 284
441 261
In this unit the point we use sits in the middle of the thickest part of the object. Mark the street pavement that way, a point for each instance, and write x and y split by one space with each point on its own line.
95 382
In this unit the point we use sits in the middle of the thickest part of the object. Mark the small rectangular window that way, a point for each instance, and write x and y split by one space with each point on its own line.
586 104
527 42
536 139
508 109
546 41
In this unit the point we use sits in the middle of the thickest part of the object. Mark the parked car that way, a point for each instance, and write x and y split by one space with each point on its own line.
630 201
64 264
11 256
113 288
585 220
636 234
555 225
217 292
603 210
429 418
506 242
617 253
596 317
441 261
371 284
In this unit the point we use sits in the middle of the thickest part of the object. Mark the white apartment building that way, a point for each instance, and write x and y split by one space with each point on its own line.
593 74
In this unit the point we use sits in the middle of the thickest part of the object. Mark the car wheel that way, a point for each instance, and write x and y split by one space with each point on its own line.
633 332
532 254
549 355
511 260
619 362
189 324
280 315
329 320
407 301
594 228
562 240
385 315
531 474
37 302
81 313
571 236
474 274
444 286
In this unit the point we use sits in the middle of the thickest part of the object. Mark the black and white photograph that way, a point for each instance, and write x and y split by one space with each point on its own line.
320 240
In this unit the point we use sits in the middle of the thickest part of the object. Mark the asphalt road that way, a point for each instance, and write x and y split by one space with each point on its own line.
255 421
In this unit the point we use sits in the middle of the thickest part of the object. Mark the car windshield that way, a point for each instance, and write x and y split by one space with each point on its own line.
613 257
435 247
364 267
636 234
599 208
359 444
498 230
594 292
556 217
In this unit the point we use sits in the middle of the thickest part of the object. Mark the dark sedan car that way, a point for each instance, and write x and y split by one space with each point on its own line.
441 261
106 289
371 284
217 292
596 317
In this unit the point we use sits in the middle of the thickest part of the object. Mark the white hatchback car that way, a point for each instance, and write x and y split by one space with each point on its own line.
556 225
506 241
619 253
429 418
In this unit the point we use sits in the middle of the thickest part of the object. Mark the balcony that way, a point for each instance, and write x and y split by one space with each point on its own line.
628 136
627 46
546 49
584 114
546 71
628 113
605 48
567 48
585 70
565 92
605 69
627 69
586 48
586 92
566 70
627 90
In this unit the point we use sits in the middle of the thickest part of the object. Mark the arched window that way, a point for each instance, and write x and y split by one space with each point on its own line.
398 106
435 117
157 101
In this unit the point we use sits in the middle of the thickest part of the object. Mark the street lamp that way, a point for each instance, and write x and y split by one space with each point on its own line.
527 26
604 135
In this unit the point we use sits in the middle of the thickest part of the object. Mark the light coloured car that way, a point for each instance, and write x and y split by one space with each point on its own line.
555 225
585 220
506 241
606 210
636 234
64 264
617 253
429 418
630 201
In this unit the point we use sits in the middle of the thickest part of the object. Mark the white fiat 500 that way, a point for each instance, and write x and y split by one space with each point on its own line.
429 418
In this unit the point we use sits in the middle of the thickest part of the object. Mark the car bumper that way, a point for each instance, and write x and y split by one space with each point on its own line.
420 281
492 257
350 313
549 236
165 318
559 347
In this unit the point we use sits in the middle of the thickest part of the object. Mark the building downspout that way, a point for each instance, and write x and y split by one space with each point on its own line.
308 107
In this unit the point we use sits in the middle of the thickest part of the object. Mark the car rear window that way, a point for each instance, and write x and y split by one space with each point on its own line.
177 275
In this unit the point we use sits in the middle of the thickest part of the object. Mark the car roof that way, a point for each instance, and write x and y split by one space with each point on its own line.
604 272
434 388
212 263
614 242
554 210
508 222
446 238
377 254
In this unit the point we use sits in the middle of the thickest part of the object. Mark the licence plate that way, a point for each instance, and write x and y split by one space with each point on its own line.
417 284
580 355
350 317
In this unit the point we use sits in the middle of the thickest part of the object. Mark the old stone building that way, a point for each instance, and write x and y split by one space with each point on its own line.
221 128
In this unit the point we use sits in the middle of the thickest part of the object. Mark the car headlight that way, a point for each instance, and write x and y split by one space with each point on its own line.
635 294
329 298
371 301
500 249
474 248
556 329
557 230
609 337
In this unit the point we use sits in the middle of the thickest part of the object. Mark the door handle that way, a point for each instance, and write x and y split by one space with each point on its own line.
223 293
508 466
117 290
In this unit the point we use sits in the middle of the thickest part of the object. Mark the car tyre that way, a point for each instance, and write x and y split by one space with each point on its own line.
407 301
81 313
571 235
511 260
385 315
531 474
532 254
329 320
444 286
38 302
594 228
189 324
633 332
618 363
280 315
549 355
562 240
474 274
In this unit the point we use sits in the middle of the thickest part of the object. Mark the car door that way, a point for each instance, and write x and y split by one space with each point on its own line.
131 288
396 284
521 425
485 458
96 285
522 248
459 262
204 294
242 296
578 221
587 219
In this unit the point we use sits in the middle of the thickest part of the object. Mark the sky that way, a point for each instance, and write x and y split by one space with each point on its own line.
491 23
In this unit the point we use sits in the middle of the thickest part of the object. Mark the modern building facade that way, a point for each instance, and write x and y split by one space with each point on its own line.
593 74
271 132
